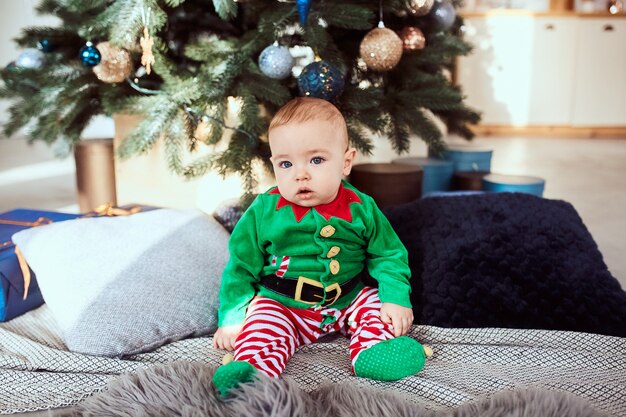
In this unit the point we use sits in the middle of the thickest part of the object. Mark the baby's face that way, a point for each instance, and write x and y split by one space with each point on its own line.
310 160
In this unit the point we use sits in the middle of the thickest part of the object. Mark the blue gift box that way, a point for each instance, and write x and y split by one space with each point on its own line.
437 172
468 157
514 184
13 300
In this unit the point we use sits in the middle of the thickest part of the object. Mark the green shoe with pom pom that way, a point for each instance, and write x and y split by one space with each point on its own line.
228 377
391 360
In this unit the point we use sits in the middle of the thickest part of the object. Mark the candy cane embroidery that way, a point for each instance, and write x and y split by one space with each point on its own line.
284 265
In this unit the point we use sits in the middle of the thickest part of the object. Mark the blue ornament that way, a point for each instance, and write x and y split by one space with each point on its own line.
443 15
303 10
45 45
321 80
30 58
276 62
89 55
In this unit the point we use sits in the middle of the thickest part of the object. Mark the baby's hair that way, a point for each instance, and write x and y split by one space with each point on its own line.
305 109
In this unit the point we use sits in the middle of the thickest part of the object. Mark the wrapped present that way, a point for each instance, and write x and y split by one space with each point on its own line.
437 172
514 184
20 292
467 157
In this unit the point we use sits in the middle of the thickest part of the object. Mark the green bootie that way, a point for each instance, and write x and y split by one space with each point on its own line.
229 376
391 360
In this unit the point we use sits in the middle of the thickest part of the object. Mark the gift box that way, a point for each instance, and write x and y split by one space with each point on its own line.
388 184
20 292
437 172
468 157
514 184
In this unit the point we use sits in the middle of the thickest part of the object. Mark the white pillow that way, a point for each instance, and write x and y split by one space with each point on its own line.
123 285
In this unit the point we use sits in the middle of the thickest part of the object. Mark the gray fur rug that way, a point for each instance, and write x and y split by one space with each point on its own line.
184 389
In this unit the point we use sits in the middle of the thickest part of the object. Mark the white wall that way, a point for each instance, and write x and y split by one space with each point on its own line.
18 14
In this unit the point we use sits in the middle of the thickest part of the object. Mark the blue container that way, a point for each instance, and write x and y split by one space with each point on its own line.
437 172
469 157
514 184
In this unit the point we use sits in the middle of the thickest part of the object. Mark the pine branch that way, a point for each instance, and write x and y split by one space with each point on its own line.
237 158
141 140
217 127
174 142
442 97
265 89
400 137
425 128
173 3
123 21
226 9
358 138
200 166
356 99
323 44
249 115
347 16
274 21
209 49
183 91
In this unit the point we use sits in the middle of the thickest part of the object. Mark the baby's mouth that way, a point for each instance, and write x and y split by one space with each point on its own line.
304 193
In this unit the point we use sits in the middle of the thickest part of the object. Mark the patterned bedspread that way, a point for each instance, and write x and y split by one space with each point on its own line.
37 372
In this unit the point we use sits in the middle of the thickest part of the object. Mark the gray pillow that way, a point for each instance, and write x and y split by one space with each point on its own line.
123 285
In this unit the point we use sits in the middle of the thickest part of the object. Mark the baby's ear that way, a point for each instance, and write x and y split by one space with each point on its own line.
348 159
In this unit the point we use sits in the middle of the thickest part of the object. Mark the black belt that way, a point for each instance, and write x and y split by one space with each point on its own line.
307 290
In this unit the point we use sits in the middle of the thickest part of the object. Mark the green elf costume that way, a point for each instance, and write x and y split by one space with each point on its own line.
294 275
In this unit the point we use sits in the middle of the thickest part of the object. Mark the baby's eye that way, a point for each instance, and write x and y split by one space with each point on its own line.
317 160
285 164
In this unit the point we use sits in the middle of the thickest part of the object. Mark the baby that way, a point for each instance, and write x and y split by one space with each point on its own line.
296 256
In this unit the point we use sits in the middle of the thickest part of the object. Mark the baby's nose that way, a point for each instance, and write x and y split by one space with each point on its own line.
302 174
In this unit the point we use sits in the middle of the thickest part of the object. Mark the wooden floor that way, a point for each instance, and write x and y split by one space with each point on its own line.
589 173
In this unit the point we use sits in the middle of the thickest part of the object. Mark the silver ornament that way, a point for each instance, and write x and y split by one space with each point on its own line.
30 58
276 62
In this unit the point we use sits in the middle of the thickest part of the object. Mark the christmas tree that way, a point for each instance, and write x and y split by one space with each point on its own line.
179 63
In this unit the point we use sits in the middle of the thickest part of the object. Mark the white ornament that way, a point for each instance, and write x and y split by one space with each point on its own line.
276 62
30 58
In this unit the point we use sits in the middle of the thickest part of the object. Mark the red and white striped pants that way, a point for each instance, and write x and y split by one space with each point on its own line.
272 332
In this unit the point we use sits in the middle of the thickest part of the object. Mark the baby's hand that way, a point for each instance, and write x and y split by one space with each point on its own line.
225 337
401 318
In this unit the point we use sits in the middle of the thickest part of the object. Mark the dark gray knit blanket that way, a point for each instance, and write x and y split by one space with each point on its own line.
507 260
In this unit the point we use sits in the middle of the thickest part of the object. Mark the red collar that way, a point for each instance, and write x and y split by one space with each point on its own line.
339 207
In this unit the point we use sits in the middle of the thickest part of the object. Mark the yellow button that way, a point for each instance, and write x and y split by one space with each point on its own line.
332 252
334 267
327 231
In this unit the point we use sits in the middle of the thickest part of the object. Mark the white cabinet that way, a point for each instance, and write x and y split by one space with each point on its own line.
551 76
600 66
546 71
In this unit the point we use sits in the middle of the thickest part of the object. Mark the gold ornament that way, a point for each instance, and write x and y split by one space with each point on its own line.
116 64
420 7
147 57
381 49
412 39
